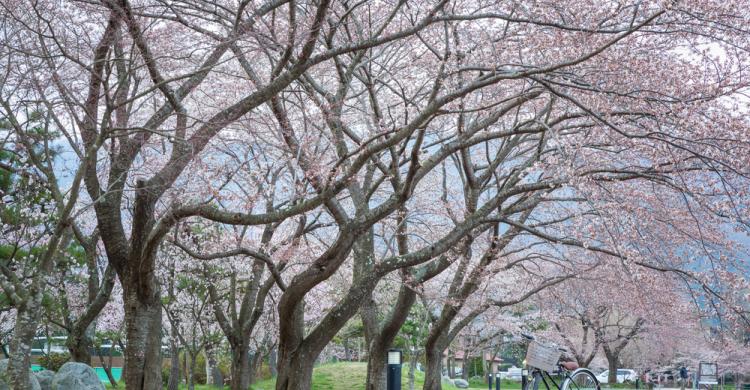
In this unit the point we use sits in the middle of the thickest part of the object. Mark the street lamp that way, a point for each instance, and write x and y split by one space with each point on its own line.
394 369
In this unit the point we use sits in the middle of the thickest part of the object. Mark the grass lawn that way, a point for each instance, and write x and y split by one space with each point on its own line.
344 376
182 387
351 376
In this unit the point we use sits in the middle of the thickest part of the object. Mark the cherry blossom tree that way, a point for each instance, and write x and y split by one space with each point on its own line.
605 311
424 143
237 289
187 309
37 213
84 283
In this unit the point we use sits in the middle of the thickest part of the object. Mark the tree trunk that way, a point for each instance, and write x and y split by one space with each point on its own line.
377 369
486 365
110 377
255 364
612 363
79 345
143 331
433 375
254 360
107 365
383 335
217 379
186 366
272 362
464 366
191 371
174 370
295 371
298 353
412 369
241 367
213 374
347 350
123 373
208 366
20 345
451 365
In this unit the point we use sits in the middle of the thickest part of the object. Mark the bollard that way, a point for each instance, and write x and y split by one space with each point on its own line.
394 369
489 381
498 379
524 379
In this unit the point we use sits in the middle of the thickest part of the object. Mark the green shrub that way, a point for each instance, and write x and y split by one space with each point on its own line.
54 360
166 368
264 372
199 375
475 367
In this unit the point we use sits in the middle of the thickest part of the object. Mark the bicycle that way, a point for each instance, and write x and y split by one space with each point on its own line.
543 360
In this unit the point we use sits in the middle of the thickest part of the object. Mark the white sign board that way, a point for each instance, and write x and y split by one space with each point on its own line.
708 374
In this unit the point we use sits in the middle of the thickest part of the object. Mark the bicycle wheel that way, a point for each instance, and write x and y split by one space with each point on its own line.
580 379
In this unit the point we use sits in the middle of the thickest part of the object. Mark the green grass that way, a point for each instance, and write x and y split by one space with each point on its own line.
352 376
506 385
182 387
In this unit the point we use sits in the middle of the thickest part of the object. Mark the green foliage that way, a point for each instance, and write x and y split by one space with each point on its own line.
26 208
475 367
6 177
415 329
4 300
8 252
54 360
353 329
199 375
76 253
107 338
165 370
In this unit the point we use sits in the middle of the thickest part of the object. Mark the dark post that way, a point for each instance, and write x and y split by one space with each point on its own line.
394 369
498 379
524 379
489 380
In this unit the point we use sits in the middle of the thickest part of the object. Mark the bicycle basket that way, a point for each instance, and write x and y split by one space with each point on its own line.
542 356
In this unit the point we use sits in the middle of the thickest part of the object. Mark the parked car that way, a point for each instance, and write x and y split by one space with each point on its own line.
513 373
623 375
